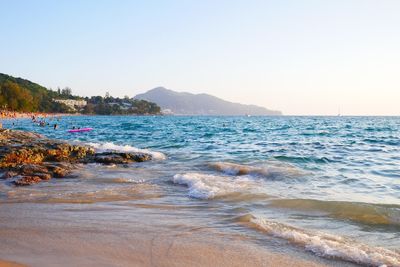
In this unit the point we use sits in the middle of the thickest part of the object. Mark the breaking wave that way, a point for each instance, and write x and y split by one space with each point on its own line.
208 186
109 146
272 171
326 245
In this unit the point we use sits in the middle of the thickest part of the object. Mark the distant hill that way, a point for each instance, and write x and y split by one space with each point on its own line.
17 94
200 104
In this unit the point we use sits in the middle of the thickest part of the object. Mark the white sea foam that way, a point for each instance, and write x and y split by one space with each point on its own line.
330 246
207 186
272 171
109 146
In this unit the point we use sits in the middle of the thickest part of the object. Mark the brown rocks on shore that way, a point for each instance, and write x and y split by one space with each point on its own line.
30 158
27 180
120 158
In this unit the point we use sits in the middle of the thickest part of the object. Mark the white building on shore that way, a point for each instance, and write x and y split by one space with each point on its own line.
71 103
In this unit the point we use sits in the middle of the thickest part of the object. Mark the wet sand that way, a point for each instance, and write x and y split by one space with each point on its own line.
24 115
69 235
9 264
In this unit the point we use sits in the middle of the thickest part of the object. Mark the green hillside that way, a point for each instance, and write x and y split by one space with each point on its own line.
18 94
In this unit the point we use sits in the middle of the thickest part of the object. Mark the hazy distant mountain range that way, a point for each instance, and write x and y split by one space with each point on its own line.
199 104
18 94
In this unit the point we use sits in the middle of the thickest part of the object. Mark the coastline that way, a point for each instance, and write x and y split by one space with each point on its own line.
121 193
38 228
46 235
23 115
4 263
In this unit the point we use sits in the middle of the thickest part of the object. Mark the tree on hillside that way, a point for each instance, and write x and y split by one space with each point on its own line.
14 97
89 109
66 91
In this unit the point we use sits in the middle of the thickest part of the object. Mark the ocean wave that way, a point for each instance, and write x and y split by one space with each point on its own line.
366 213
273 171
119 180
208 186
390 141
304 159
109 146
326 245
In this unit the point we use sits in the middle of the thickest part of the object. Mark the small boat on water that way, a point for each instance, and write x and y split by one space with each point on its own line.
80 130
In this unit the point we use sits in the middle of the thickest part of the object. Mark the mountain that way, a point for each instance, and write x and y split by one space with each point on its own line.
200 104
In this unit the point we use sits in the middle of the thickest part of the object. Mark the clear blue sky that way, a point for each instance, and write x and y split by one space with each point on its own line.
301 57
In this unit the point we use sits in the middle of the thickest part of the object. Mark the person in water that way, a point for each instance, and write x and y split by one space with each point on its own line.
55 126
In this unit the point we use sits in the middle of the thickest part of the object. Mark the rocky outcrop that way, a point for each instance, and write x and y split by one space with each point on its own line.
27 180
29 158
120 158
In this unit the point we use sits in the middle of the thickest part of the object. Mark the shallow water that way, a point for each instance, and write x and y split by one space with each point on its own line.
326 185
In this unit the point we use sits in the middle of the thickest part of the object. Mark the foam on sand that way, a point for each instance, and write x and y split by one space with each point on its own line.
109 146
208 186
326 245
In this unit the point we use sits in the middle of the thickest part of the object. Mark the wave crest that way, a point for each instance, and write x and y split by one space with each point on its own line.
273 171
208 186
327 245
109 146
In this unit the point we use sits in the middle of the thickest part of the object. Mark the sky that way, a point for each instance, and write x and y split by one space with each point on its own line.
307 57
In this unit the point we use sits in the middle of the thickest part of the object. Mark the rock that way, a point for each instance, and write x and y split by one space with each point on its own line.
110 159
21 156
27 180
37 158
9 174
51 166
59 172
120 158
141 157
33 168
43 176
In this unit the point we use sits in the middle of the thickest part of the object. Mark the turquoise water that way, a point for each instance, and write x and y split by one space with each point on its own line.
327 185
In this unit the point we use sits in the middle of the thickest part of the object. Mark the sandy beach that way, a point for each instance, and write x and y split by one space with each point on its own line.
5 114
200 133
10 264
86 200
59 235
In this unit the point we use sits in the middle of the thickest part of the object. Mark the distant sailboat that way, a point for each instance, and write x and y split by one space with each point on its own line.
339 113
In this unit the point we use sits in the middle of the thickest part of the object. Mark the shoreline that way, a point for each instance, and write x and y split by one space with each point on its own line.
119 188
29 158
154 240
4 263
144 241
6 115
9 115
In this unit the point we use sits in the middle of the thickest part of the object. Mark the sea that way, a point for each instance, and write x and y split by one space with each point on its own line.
322 186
